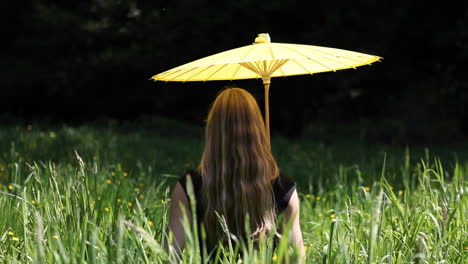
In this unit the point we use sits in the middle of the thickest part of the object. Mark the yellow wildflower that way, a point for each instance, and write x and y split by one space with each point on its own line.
400 192
125 174
308 195
10 233
33 202
150 223
15 238
55 237
129 203
136 189
366 188
275 258
108 181
10 187
333 217
318 198
163 201
118 200
106 209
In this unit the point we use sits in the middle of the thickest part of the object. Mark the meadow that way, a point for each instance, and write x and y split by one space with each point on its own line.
101 193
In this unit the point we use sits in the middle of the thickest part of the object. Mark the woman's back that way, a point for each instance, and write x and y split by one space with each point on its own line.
238 175
283 188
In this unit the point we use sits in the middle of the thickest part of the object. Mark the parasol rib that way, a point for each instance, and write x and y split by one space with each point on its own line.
281 69
251 67
187 70
243 57
220 68
329 54
181 72
199 72
308 71
273 57
271 52
302 54
278 65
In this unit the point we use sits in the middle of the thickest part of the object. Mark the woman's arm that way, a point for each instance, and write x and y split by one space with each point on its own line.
179 205
292 214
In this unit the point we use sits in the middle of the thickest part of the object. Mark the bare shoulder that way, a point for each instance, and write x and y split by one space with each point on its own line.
178 194
293 205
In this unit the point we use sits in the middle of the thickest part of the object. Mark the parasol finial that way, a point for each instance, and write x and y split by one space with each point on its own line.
262 38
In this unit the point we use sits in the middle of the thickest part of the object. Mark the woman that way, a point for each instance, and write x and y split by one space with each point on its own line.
237 176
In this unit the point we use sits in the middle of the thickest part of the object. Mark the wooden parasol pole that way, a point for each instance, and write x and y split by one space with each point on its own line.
266 83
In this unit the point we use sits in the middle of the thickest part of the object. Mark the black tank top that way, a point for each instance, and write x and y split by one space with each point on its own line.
283 188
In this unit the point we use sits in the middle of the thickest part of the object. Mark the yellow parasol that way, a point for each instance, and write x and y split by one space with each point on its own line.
264 59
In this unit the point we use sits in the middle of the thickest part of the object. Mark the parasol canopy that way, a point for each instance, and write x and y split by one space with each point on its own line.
265 59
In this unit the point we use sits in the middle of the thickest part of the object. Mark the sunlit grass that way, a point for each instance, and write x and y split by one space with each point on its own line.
101 195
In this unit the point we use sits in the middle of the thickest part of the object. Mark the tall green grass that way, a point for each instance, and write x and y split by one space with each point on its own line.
100 194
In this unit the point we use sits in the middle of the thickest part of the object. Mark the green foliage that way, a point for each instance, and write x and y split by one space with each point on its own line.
109 200
104 52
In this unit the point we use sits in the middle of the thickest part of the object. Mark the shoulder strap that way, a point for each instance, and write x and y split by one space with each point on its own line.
283 188
196 181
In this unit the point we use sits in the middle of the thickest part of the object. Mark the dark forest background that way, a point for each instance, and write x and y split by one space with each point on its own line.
84 61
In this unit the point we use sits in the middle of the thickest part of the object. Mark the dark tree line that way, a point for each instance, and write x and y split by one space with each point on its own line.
78 61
